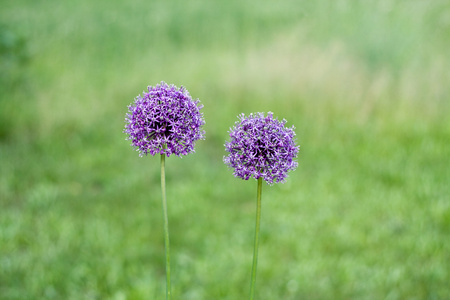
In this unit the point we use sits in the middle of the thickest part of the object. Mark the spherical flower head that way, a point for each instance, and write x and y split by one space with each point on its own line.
164 120
261 146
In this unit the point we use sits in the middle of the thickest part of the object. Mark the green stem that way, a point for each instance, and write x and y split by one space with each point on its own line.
255 248
166 225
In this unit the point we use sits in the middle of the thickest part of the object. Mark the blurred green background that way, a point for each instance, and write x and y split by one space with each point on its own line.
365 216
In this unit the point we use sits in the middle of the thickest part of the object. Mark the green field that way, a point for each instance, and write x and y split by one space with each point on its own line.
365 216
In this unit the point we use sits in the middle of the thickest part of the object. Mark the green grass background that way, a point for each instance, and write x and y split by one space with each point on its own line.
365 216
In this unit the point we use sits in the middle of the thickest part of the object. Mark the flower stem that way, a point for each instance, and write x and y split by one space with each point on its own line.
255 248
166 225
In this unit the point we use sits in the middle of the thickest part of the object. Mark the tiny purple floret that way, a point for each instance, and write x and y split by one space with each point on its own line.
164 120
261 146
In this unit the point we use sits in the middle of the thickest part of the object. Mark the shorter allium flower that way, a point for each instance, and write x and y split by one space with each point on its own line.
165 120
261 147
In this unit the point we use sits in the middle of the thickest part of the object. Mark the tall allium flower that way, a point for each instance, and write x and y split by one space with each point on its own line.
165 120
263 148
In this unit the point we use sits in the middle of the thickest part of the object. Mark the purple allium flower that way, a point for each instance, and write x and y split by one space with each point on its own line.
261 147
165 120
